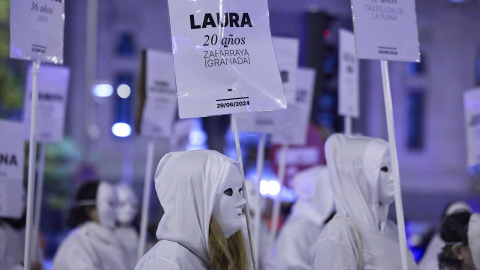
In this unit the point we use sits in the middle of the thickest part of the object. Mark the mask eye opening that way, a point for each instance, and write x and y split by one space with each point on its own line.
384 169
228 192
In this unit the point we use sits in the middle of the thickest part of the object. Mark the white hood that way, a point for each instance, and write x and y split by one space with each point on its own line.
354 167
354 164
187 184
315 195
474 238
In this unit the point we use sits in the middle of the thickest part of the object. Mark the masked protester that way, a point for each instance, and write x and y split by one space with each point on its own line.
126 232
309 213
201 194
92 244
461 233
430 259
359 236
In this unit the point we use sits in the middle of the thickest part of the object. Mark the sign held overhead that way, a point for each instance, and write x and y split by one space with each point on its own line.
386 30
224 61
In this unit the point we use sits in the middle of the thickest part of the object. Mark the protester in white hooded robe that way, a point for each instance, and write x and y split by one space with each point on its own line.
430 258
309 213
360 236
194 188
127 211
92 244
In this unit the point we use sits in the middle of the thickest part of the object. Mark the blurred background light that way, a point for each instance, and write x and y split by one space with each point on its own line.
121 130
102 90
269 187
124 91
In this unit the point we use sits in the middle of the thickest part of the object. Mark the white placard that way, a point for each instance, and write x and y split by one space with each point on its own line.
471 99
224 57
52 101
12 150
36 29
386 30
286 50
304 156
348 76
161 97
293 122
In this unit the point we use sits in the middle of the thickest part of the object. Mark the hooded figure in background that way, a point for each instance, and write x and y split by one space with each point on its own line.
359 236
309 213
430 259
126 232
474 239
461 233
92 244
201 194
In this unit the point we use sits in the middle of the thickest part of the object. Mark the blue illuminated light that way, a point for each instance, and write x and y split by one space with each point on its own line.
271 188
121 130
102 90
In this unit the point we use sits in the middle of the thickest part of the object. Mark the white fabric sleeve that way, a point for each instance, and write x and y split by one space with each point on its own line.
75 254
292 253
156 263
332 255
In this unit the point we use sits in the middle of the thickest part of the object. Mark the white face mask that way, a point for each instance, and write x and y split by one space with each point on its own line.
127 205
474 238
106 205
386 193
229 204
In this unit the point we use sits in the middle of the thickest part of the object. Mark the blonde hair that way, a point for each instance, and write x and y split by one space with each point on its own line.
226 253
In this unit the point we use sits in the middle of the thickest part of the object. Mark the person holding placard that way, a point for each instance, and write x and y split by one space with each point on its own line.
92 244
309 214
201 194
126 232
461 233
360 236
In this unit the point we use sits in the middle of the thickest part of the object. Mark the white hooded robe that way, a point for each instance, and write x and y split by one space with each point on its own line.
354 167
313 206
186 185
90 246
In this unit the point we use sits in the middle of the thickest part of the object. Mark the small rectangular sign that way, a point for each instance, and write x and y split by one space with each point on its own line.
159 96
348 78
12 150
36 30
386 30
52 101
224 57
293 122
286 51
